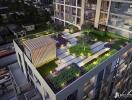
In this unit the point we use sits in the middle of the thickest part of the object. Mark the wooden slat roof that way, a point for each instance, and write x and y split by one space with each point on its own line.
38 42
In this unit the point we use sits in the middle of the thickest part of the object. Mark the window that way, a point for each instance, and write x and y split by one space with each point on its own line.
47 97
130 6
117 5
30 71
20 60
37 81
72 96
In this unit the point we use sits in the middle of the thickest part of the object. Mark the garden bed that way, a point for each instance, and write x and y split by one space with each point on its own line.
64 77
97 61
31 36
81 49
47 68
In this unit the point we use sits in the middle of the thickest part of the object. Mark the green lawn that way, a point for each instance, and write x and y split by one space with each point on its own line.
66 75
81 49
46 68
100 59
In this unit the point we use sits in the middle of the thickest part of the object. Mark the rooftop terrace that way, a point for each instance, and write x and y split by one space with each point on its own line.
82 52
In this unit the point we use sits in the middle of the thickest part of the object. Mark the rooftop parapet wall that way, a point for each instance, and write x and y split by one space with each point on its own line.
79 83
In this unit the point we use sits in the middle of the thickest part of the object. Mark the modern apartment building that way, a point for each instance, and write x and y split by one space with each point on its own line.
115 15
101 83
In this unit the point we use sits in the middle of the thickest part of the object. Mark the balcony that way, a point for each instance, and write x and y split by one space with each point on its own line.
118 22
90 7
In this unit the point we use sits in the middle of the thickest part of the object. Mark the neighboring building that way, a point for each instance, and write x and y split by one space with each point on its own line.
115 15
29 27
5 35
4 14
17 31
100 83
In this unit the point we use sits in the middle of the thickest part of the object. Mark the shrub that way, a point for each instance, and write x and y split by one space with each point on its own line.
72 28
65 76
80 48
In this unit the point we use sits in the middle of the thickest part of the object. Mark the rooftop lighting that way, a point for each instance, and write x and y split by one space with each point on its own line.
89 54
62 84
68 50
77 75
110 40
68 67
74 54
82 55
95 62
107 54
50 72
95 39
62 46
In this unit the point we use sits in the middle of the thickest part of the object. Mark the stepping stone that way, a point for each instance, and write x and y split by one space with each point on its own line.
72 40
76 34
60 51
96 44
63 55
68 58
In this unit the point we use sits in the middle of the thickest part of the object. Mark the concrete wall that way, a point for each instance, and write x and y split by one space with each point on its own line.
78 84
99 73
37 79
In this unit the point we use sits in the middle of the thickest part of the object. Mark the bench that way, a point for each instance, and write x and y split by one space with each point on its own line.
82 63
98 46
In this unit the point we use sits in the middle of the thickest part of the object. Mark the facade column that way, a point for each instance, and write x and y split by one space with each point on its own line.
76 13
98 85
64 12
80 93
82 12
108 13
97 15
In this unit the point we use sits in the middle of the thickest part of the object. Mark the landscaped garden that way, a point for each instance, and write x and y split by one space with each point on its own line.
117 41
65 76
46 69
31 36
60 79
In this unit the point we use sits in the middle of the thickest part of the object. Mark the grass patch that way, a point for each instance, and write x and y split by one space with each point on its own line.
90 66
81 49
46 68
65 76
31 36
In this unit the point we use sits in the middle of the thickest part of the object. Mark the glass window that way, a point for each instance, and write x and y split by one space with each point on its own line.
117 5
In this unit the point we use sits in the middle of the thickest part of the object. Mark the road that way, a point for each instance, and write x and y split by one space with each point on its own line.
8 60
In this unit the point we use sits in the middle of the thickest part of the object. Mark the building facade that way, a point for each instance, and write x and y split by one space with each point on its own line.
116 15
101 83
